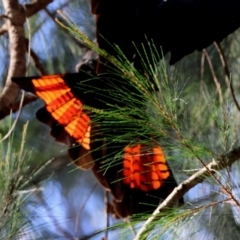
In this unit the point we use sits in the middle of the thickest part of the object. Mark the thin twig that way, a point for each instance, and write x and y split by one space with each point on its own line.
202 66
37 63
15 121
201 77
35 59
228 81
218 85
190 212
188 146
107 214
54 219
227 73
34 174
181 189
81 209
130 226
15 18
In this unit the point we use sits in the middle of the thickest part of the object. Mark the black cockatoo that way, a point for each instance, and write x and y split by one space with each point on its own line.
141 173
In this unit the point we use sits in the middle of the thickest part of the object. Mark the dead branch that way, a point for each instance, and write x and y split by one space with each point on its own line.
216 165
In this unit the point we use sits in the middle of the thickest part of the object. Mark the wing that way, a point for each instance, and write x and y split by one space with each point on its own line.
64 107
63 112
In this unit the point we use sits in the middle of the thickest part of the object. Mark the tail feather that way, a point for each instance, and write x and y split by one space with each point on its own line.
141 181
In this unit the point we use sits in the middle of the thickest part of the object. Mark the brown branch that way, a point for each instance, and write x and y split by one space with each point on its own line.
15 17
216 165
14 23
15 26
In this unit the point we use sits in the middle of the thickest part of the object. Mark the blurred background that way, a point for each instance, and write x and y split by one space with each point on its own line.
68 203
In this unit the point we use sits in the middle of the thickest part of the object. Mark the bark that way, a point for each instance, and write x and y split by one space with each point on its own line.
15 17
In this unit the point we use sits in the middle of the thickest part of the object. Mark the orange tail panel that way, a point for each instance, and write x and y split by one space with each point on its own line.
144 168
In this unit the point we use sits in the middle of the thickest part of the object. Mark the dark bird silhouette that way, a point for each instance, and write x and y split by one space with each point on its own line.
136 173
140 174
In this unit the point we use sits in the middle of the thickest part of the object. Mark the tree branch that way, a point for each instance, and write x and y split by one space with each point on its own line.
15 26
216 165
14 23
33 8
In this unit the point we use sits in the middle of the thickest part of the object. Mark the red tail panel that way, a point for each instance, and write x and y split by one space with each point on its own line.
144 168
